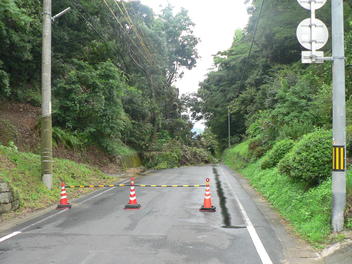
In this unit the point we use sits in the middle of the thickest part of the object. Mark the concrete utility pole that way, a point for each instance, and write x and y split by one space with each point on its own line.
46 126
339 116
46 123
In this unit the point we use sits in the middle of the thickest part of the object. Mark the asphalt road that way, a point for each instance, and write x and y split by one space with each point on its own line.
169 228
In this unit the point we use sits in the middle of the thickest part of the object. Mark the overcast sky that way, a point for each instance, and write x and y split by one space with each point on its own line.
216 22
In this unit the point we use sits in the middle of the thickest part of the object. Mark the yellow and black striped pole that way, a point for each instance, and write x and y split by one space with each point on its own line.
136 185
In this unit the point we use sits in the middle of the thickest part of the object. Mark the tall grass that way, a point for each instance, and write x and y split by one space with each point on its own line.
308 211
22 171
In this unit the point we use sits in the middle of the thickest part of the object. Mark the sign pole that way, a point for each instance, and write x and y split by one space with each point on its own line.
317 40
339 117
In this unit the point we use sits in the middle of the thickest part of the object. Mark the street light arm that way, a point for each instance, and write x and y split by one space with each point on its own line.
60 14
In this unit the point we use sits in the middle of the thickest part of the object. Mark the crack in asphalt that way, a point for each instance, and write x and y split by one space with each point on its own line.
224 211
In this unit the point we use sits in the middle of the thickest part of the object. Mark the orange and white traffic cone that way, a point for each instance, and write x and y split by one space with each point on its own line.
207 206
63 198
132 204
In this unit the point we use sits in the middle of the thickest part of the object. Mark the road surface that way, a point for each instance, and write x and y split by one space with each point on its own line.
169 228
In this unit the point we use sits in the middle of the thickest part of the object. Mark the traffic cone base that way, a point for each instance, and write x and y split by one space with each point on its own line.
206 209
132 206
64 206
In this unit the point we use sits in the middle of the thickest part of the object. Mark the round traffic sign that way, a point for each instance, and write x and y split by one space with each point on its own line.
320 34
306 3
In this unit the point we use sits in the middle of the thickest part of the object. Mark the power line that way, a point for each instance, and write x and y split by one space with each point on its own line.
255 28
252 42
117 20
147 56
135 29
80 9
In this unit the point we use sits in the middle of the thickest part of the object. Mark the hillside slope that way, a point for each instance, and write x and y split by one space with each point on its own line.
19 123
21 172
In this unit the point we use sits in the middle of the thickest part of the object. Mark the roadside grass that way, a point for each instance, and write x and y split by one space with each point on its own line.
22 171
307 211
349 200
237 157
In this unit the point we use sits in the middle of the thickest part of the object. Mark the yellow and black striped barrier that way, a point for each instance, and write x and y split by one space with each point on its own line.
136 185
338 158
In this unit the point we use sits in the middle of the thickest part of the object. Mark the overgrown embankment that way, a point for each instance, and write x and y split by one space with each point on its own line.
19 126
173 153
307 207
22 172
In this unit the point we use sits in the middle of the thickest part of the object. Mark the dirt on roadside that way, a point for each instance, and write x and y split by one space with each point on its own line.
19 123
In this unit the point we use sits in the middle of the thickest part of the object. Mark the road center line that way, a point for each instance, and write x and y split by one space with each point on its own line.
251 230
2 239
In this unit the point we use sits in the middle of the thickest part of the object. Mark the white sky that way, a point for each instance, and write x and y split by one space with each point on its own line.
216 22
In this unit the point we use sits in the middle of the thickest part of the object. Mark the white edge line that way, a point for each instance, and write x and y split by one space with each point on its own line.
252 232
44 219
2 239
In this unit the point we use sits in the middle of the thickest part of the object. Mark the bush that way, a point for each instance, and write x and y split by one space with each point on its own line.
173 154
73 140
280 149
258 147
194 155
295 129
162 159
309 161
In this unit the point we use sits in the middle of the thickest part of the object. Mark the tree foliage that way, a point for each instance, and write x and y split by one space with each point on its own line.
279 150
114 68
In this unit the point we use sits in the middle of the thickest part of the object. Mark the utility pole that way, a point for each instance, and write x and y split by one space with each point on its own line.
229 126
339 116
313 35
46 121
46 125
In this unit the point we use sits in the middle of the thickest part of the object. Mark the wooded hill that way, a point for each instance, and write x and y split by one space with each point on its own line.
114 68
269 92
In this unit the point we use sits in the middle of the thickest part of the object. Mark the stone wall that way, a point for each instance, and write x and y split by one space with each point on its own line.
8 201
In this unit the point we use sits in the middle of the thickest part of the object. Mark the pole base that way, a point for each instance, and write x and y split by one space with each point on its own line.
132 206
211 209
64 206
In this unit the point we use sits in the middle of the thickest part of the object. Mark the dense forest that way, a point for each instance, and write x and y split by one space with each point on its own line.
114 68
270 94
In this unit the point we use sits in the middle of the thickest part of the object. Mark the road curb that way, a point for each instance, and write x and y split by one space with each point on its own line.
338 253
